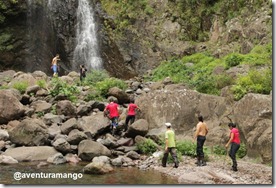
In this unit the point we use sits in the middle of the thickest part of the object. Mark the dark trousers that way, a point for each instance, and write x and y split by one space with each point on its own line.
232 153
129 118
173 153
199 146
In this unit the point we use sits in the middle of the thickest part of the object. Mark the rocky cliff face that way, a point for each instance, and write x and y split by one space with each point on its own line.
34 31
252 114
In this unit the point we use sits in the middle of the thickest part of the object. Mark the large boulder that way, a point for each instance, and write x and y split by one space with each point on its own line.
29 132
253 114
66 108
88 149
181 107
121 95
41 106
139 127
94 124
36 153
23 78
10 106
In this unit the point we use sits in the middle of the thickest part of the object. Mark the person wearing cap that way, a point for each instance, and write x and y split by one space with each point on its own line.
200 137
170 146
234 140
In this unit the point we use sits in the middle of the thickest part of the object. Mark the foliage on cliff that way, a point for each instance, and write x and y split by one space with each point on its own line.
7 9
197 71
195 17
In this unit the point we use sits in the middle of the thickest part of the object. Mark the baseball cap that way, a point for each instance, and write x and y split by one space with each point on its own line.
168 124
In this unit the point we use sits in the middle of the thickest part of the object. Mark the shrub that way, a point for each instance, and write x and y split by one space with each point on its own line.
186 148
94 95
54 109
233 59
41 83
95 76
20 86
40 114
108 83
254 82
223 80
219 150
147 147
59 87
242 151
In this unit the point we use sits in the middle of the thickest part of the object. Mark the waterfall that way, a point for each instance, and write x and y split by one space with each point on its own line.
86 51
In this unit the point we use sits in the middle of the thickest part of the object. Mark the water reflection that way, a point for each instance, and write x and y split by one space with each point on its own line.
122 176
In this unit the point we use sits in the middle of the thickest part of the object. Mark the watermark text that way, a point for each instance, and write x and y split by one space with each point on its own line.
46 175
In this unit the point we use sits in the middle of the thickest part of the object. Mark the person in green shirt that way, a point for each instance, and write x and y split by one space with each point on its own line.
170 146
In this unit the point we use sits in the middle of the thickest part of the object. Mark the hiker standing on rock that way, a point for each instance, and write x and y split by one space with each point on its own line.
131 113
55 64
200 137
170 146
235 144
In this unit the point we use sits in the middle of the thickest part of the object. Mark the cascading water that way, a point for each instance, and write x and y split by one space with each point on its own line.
86 51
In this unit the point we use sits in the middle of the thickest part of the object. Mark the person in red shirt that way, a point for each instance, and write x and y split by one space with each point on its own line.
131 112
235 144
113 109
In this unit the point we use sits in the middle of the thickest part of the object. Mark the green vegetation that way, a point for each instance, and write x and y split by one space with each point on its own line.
4 39
99 83
108 83
147 147
59 87
126 12
54 109
20 86
242 151
41 83
5 8
95 76
195 17
186 148
197 72
40 114
220 150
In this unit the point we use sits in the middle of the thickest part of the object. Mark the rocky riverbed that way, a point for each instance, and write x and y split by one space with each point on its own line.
218 171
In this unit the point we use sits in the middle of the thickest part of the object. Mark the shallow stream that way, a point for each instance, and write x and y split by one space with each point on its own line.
30 173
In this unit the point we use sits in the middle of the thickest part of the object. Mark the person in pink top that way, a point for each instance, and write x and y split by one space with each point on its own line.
131 112
235 144
113 109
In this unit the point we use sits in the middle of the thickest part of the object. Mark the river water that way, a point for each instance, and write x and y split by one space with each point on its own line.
69 174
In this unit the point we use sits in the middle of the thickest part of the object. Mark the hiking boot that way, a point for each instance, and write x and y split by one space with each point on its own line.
203 163
234 169
163 165
175 166
199 163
